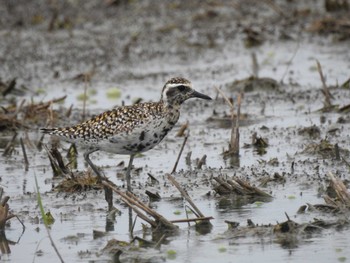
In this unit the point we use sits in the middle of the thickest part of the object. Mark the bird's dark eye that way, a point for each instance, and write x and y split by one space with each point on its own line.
181 88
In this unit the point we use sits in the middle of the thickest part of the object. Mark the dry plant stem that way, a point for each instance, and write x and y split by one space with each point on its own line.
180 153
134 203
4 212
202 161
194 212
69 111
185 195
157 246
182 130
188 223
341 190
148 209
26 163
290 61
55 166
255 65
240 187
337 153
225 97
234 142
132 227
9 145
192 219
326 93
235 129
346 162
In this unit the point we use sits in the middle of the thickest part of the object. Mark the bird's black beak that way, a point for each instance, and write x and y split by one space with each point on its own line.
196 94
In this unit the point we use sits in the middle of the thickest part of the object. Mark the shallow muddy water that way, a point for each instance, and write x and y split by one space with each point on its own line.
46 63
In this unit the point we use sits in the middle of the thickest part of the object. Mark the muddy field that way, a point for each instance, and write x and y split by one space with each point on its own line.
284 198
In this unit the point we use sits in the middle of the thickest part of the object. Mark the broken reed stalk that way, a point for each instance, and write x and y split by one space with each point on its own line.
325 90
5 213
131 201
26 163
202 161
185 195
69 111
54 165
238 187
157 245
181 131
180 153
225 97
234 142
10 145
289 62
342 192
255 65
235 129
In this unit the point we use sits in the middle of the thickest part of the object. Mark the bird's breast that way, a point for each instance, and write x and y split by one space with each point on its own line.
141 138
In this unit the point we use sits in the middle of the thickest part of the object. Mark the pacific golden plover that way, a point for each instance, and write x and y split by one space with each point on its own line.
130 129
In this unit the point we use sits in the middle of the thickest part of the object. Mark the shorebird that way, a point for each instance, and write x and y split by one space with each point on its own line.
128 130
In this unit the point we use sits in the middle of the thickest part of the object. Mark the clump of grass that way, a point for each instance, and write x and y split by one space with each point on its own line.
77 183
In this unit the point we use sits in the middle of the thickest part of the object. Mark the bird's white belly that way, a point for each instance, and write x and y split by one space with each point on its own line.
140 139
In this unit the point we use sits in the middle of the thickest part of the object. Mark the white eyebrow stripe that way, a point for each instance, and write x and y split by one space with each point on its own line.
173 85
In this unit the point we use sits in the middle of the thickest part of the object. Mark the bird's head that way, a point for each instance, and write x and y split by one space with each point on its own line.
177 90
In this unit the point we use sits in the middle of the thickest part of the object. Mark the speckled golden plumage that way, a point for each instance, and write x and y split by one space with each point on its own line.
131 129
118 120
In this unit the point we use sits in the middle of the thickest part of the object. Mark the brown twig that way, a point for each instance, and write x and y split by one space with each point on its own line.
325 90
255 65
289 62
340 189
131 200
5 214
157 245
225 97
239 187
234 141
235 129
69 111
182 130
202 161
26 163
180 153
9 146
185 195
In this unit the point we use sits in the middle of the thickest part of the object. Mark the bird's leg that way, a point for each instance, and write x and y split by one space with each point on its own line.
93 167
127 175
108 191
